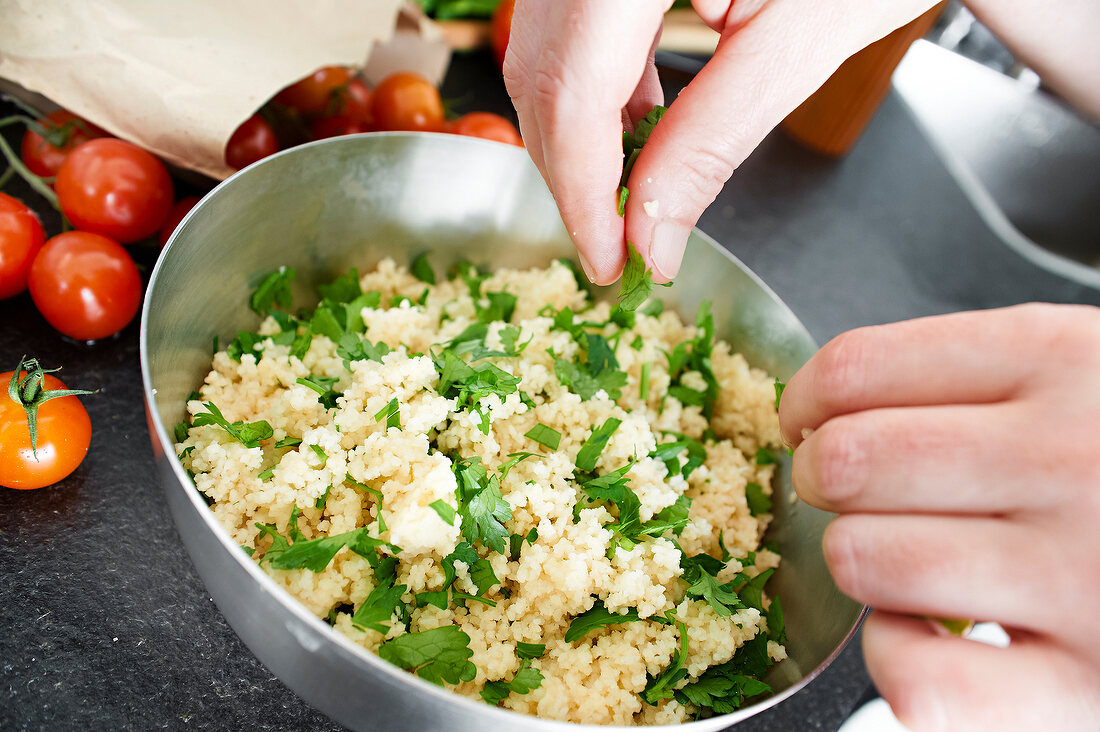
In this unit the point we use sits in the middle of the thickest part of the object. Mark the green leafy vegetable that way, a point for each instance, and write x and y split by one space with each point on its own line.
526 680
266 474
530 650
481 505
320 453
595 444
764 456
379 607
326 395
436 655
661 686
546 436
391 413
779 387
445 510
248 434
501 306
643 383
323 499
273 290
752 592
315 554
344 288
288 442
777 630
421 269
637 282
598 617
624 193
722 689
759 502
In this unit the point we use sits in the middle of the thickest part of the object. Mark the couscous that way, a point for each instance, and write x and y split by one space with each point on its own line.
548 503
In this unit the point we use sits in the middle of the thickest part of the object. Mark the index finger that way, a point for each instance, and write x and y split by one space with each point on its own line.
962 358
586 72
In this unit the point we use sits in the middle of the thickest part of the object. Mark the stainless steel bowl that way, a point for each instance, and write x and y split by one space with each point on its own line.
324 207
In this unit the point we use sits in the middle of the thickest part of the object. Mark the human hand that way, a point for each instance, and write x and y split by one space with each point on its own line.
579 70
963 454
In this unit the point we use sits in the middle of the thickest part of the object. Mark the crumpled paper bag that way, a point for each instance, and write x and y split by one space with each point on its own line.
177 78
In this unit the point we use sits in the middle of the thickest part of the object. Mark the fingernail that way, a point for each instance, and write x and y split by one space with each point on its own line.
666 247
587 267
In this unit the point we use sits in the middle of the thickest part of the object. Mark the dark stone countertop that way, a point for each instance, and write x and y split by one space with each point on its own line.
104 623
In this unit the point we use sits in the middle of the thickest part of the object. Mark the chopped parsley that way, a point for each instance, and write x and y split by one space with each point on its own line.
530 650
326 395
288 442
379 607
248 434
594 445
643 382
764 456
695 355
391 413
266 475
468 384
273 290
500 306
481 505
315 554
661 686
421 269
598 617
722 689
759 502
548 437
637 282
779 387
320 453
445 510
527 679
599 370
436 655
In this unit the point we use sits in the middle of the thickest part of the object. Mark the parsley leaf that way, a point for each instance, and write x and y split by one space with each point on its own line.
245 343
758 501
501 306
445 510
661 686
273 290
315 554
779 387
526 680
481 505
421 269
248 434
467 384
777 630
752 591
391 413
436 655
546 436
379 607
509 338
723 688
674 518
530 650
594 445
637 282
764 456
598 617
344 288
327 396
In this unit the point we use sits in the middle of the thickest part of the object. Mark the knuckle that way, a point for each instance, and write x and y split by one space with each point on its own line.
843 369
707 171
841 462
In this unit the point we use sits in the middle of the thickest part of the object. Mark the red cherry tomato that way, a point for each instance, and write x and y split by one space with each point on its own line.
63 433
488 126
44 159
340 124
407 101
114 188
501 28
175 216
252 141
21 236
313 94
355 98
85 285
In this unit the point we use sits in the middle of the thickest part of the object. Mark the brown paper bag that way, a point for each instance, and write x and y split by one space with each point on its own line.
178 78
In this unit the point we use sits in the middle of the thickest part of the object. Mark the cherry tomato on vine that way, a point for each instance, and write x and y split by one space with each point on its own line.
354 100
114 188
175 216
313 94
21 236
501 28
62 430
252 141
66 131
85 285
488 126
407 101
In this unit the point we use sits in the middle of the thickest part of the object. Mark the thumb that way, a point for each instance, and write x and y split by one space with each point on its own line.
766 64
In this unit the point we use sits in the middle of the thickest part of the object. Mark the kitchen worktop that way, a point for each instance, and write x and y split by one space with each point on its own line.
104 623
